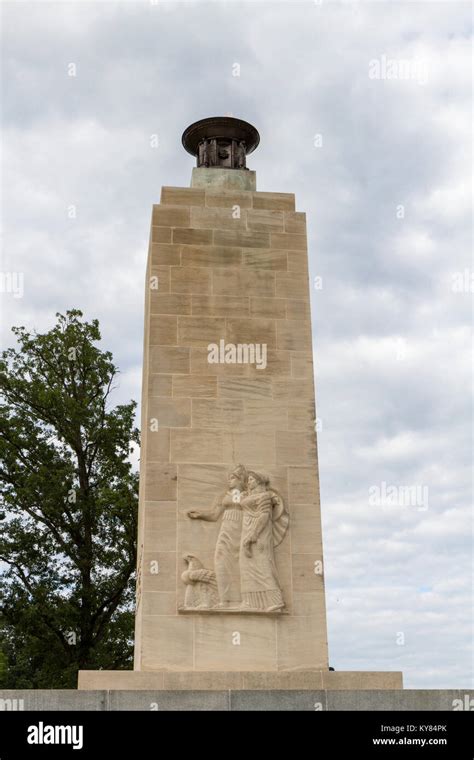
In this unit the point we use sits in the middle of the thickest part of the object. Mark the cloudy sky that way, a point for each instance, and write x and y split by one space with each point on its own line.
364 113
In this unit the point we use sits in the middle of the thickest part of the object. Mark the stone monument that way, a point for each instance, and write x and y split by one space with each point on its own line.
230 574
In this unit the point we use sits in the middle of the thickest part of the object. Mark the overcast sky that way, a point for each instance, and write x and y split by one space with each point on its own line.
380 164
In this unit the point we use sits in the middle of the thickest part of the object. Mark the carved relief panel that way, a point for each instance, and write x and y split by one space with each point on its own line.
253 522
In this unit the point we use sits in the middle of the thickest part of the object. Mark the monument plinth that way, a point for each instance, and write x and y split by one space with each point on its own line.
230 588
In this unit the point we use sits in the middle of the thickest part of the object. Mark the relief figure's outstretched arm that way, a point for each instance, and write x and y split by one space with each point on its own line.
212 515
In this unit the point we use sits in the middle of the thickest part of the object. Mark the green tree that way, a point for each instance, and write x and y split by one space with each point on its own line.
68 498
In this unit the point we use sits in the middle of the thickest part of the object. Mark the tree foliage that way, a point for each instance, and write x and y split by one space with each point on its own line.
68 497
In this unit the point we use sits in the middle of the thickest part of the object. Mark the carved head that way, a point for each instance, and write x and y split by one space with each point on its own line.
238 478
256 479
189 558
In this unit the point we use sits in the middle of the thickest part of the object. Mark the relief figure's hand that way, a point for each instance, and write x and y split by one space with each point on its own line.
194 514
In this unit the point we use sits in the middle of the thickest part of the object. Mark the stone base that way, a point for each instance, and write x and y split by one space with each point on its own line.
372 700
224 179
136 680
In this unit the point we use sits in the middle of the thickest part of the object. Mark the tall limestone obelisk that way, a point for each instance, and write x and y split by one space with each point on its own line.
230 588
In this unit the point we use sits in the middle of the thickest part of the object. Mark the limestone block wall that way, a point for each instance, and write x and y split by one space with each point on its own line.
232 266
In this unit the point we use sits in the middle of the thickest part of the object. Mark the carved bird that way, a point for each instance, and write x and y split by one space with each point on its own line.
201 584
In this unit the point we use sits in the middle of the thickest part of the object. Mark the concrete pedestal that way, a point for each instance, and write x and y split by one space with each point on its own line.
431 700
